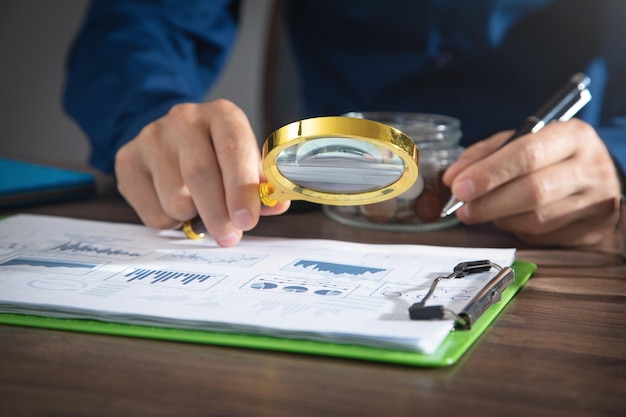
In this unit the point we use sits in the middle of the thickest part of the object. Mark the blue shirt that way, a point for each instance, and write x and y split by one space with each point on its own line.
490 63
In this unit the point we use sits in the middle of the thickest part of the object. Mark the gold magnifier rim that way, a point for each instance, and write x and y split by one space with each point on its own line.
363 130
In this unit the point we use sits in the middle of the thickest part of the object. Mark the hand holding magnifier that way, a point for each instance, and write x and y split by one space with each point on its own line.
333 160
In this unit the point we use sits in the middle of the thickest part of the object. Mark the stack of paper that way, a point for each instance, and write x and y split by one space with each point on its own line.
331 291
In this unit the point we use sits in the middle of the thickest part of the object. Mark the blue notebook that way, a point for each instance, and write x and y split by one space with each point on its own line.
25 183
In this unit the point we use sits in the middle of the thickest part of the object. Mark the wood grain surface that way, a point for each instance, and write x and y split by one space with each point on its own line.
558 349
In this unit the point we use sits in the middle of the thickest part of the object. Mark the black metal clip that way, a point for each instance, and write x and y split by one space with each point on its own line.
488 295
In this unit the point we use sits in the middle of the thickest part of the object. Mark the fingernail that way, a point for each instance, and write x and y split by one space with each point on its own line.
228 240
464 189
243 219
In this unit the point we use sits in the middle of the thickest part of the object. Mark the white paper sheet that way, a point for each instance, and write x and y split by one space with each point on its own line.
324 290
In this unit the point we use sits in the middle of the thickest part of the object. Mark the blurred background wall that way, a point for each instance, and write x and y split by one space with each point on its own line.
35 36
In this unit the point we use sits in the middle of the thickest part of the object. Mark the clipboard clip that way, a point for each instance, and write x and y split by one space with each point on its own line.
490 294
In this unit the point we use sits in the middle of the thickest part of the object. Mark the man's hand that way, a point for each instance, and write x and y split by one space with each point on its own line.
558 186
199 159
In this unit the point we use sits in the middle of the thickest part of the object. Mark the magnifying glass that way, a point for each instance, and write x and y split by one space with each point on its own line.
333 160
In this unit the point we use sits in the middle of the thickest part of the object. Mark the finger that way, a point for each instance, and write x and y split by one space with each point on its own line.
527 154
528 193
135 184
239 160
279 208
201 172
162 161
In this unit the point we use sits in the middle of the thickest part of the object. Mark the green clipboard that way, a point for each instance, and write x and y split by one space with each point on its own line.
448 353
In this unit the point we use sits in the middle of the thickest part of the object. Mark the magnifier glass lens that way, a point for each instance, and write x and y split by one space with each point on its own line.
339 165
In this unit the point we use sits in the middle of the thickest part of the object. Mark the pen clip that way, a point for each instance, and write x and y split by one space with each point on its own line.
490 294
583 98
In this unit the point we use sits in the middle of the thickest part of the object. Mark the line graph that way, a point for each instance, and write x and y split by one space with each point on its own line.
210 257
97 250
442 294
8 248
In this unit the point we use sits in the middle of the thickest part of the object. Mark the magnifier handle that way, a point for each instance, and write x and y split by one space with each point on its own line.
265 191
195 229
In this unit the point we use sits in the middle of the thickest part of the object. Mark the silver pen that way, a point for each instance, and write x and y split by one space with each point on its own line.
572 97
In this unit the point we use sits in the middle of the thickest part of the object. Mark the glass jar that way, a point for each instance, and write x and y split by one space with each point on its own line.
417 209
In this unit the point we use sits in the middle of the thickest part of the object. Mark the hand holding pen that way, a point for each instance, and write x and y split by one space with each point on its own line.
562 106
557 185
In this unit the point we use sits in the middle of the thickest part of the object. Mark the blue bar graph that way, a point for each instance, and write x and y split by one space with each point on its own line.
178 279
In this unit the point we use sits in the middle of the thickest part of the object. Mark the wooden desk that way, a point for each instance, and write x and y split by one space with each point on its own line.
558 349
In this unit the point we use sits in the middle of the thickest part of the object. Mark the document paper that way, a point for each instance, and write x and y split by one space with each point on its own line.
323 290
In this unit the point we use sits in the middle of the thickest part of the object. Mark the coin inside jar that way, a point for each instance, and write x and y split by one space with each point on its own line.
418 208
380 212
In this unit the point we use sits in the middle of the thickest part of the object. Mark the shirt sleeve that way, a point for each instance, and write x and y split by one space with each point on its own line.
608 73
132 60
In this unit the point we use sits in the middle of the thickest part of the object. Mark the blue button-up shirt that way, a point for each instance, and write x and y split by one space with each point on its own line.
489 63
